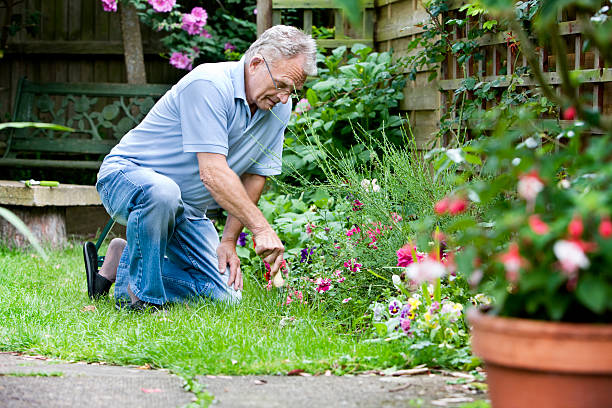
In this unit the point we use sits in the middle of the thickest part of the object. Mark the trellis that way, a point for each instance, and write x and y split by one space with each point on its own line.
500 60
345 33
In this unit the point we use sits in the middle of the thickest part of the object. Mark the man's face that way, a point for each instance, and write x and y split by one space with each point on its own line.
268 85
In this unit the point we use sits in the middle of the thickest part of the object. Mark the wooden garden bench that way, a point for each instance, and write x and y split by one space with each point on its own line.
100 113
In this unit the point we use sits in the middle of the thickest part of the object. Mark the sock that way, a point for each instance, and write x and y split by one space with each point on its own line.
111 259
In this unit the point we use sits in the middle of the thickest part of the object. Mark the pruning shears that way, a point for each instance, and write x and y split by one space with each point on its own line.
43 183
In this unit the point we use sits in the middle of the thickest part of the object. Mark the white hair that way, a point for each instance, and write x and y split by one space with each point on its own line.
285 42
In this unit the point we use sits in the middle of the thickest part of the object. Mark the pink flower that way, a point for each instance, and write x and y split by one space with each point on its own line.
357 205
352 231
180 61
605 228
404 255
302 106
162 6
530 185
340 279
109 5
255 11
575 227
309 228
396 217
569 113
426 271
346 300
405 325
513 262
194 23
457 206
441 207
205 34
571 257
200 14
323 285
229 46
352 265
537 225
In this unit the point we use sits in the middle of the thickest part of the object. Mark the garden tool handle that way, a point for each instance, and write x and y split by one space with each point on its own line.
47 183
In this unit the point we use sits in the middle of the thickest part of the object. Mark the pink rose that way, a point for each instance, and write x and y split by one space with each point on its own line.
162 6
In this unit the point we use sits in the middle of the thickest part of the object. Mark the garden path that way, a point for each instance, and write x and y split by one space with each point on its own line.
34 381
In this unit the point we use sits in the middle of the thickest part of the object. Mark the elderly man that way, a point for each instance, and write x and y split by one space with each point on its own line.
211 140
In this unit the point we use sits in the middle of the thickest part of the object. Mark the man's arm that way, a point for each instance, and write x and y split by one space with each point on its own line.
229 192
226 252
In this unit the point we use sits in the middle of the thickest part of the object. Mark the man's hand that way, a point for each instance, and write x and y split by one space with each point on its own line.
226 252
270 248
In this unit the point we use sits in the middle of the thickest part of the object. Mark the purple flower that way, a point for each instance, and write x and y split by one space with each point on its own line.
229 46
405 311
109 5
435 306
205 34
200 14
242 238
255 11
394 307
305 255
180 61
162 6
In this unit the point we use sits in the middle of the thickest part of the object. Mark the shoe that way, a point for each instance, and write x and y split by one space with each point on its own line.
97 285
139 306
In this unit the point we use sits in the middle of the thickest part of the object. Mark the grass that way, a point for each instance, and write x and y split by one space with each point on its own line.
44 309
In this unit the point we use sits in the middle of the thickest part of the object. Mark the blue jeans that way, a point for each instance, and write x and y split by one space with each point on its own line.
171 251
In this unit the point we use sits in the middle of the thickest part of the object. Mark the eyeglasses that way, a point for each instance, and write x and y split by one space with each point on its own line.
280 90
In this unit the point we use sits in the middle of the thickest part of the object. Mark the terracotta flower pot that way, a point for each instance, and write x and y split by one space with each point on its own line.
532 363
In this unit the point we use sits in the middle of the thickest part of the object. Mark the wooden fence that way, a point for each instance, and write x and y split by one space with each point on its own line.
77 41
399 21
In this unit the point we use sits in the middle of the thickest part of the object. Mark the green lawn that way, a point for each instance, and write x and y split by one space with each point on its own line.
44 309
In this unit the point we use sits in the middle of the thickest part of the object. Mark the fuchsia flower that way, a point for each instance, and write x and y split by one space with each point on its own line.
396 217
513 262
357 205
605 228
347 300
441 207
575 227
427 270
530 185
457 206
571 257
109 5
537 225
309 228
180 61
323 285
354 230
162 6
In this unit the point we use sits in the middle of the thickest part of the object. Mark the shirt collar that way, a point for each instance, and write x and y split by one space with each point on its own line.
237 75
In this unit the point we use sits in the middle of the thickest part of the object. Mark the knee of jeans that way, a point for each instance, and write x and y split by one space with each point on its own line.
166 197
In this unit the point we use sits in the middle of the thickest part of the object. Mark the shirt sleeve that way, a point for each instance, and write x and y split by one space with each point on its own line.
204 118
270 161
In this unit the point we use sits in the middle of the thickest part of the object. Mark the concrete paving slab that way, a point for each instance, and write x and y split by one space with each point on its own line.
27 382
331 391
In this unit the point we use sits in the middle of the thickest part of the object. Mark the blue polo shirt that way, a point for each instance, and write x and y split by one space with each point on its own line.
206 111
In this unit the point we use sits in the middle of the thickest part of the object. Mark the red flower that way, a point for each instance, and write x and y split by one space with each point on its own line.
513 262
575 227
441 207
457 206
404 255
605 228
537 225
569 113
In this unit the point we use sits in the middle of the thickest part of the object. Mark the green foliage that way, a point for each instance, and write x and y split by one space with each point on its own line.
356 93
544 244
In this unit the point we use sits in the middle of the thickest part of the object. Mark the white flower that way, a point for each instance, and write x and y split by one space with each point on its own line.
571 256
529 186
366 184
375 187
427 270
397 282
